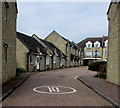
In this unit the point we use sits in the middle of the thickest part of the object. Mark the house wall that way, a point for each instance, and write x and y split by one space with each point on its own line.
21 54
68 56
105 55
0 44
32 66
9 37
62 62
57 64
92 50
57 41
42 63
113 74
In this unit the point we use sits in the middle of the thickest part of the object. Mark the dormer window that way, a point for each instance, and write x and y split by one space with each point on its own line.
89 44
97 44
106 43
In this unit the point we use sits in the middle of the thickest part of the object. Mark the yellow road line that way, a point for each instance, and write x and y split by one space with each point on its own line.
76 77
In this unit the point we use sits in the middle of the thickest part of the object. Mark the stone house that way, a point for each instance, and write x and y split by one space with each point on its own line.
75 55
8 16
30 54
94 49
63 44
113 73
56 57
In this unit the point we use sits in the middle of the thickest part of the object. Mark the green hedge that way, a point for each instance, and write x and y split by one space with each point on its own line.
19 71
95 65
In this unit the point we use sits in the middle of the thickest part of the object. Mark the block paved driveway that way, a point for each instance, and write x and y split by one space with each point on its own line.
25 96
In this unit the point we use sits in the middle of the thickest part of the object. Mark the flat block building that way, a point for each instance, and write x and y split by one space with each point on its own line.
94 49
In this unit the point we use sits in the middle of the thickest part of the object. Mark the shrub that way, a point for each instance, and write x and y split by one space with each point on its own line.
19 71
100 67
95 65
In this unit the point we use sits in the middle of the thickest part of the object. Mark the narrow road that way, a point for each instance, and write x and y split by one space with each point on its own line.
79 95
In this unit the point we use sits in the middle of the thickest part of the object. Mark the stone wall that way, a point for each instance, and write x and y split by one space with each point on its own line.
32 66
57 41
112 67
9 38
0 43
105 54
42 63
21 54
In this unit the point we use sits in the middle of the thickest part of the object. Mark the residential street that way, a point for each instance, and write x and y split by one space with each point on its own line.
74 93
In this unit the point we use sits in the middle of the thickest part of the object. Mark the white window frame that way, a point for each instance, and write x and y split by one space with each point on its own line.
98 53
54 59
97 43
106 43
89 44
47 60
31 60
106 52
88 53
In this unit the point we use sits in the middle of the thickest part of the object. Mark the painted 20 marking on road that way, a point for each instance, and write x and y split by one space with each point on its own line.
54 89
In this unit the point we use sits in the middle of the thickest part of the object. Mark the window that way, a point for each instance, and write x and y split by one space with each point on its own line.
105 52
54 59
97 44
88 53
5 46
42 60
106 43
31 59
96 53
5 9
89 44
38 58
47 60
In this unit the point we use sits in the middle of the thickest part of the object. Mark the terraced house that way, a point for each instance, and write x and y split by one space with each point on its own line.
56 58
73 57
30 54
113 72
8 16
94 49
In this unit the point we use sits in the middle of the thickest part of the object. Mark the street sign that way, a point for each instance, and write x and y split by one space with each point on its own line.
51 89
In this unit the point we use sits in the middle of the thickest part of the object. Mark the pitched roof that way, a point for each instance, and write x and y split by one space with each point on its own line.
31 43
82 44
52 47
49 45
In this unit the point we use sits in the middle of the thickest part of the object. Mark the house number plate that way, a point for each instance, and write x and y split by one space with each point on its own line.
54 89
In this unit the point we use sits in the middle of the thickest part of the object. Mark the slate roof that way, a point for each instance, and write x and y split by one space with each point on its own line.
31 43
82 44
68 41
53 47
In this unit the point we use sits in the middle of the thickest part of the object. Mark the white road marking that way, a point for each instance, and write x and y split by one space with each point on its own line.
54 90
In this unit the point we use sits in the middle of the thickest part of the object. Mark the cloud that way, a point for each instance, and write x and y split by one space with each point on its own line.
74 21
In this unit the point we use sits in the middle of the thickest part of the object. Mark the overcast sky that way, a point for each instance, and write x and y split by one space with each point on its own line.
73 20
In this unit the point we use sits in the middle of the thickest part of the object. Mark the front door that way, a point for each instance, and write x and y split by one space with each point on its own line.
38 63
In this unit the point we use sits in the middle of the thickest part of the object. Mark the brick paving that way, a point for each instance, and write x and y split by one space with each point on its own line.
105 88
25 96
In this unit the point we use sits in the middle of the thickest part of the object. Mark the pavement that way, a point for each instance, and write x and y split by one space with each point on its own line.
106 89
25 95
9 87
